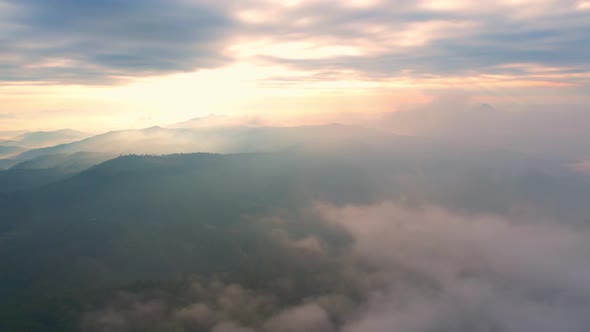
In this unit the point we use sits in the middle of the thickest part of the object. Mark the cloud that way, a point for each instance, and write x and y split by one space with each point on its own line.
309 243
393 40
212 306
447 272
89 42
129 310
66 41
230 327
407 269
308 317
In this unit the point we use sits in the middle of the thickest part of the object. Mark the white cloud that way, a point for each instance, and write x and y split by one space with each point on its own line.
305 318
230 327
447 272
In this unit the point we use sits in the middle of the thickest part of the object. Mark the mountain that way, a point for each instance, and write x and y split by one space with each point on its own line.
8 142
10 151
48 165
66 163
486 108
158 140
214 120
44 170
7 163
8 134
41 139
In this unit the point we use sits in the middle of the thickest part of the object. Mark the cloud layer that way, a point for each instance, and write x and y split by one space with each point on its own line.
66 41
91 42
446 272
406 269
429 39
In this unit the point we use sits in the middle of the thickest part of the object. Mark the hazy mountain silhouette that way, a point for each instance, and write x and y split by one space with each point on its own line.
9 134
8 142
10 151
43 170
158 140
219 121
7 163
67 163
39 139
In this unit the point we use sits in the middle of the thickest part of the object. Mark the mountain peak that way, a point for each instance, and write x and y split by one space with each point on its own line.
485 107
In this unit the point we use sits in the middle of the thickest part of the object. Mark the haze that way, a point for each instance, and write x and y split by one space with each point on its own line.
294 166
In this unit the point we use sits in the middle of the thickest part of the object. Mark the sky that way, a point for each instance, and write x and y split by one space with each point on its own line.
99 65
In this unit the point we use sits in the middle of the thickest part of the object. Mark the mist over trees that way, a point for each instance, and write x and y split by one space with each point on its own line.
319 228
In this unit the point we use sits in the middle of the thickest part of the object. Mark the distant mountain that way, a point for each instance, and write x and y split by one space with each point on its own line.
41 139
7 163
158 140
44 170
66 163
10 151
214 120
8 134
486 108
51 164
8 142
